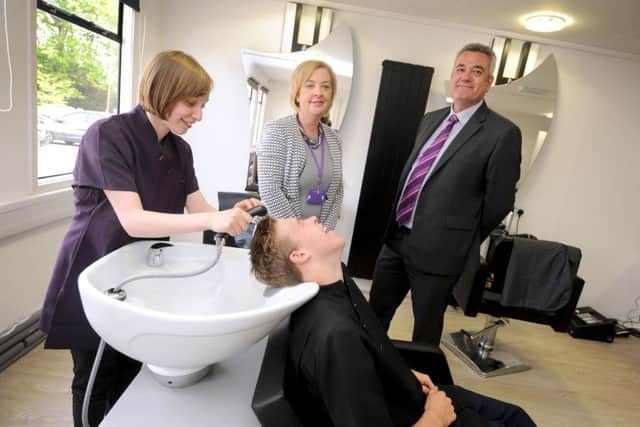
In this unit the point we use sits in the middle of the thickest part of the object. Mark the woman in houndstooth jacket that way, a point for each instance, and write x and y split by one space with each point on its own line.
300 157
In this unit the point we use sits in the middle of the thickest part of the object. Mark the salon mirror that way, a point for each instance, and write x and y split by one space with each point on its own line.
268 76
529 102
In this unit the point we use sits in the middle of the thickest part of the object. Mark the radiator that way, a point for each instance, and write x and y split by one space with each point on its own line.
19 339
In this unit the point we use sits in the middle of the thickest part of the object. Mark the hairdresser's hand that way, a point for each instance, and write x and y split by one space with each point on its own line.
247 204
438 410
425 381
232 221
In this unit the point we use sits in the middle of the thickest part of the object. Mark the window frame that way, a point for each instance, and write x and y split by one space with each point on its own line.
42 5
51 199
257 106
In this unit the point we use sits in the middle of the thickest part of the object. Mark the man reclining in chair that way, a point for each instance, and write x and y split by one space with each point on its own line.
347 372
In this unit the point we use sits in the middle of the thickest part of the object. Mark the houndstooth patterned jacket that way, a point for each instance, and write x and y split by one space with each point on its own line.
281 159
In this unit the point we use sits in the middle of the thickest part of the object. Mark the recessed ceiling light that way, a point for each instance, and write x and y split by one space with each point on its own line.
546 22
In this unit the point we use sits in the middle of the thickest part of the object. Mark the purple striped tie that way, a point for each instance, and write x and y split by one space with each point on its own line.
416 178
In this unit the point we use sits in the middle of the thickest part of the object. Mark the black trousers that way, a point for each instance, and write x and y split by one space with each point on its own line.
114 375
495 413
393 277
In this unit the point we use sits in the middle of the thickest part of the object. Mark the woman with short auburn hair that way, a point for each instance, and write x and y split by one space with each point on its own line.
133 179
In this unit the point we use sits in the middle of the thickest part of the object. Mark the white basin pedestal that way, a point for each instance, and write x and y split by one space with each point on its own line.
181 325
174 377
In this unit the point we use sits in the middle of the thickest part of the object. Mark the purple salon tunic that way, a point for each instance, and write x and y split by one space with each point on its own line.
118 153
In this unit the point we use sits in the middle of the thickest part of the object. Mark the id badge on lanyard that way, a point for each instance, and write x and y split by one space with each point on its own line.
317 195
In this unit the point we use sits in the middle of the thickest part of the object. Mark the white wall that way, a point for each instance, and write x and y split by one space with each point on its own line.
17 149
214 33
583 189
26 262
26 259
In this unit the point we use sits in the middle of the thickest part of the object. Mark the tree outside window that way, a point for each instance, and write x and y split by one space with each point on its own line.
78 67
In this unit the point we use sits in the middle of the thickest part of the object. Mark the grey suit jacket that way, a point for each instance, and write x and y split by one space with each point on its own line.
281 159
470 190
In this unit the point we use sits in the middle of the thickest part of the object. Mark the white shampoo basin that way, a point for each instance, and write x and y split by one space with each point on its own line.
179 326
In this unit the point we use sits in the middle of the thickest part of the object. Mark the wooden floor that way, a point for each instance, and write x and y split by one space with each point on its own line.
572 382
36 390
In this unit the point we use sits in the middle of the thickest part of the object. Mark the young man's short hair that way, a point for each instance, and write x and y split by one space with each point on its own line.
270 256
172 76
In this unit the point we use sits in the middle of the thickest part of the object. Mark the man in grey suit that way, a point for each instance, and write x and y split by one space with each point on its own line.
458 184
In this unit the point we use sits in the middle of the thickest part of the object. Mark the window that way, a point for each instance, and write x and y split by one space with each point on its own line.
79 46
257 104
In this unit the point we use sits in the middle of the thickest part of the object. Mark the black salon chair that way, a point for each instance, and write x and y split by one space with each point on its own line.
521 278
226 200
272 402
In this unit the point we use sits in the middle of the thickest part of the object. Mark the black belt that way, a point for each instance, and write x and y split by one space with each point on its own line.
397 235
401 228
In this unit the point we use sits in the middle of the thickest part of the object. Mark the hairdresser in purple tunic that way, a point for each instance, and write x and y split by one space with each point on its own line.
133 178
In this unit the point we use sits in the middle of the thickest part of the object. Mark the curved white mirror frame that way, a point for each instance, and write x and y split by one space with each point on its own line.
530 103
273 71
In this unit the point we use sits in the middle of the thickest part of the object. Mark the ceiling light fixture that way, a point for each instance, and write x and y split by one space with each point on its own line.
546 22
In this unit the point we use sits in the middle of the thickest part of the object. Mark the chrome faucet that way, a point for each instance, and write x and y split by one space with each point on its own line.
154 256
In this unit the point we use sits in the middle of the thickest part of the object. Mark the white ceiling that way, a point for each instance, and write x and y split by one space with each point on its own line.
599 25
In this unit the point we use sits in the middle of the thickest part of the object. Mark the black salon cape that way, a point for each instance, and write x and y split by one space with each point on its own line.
346 370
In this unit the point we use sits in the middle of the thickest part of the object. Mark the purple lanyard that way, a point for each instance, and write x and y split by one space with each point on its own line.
323 142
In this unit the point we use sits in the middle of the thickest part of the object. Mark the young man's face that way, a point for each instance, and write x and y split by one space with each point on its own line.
309 235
